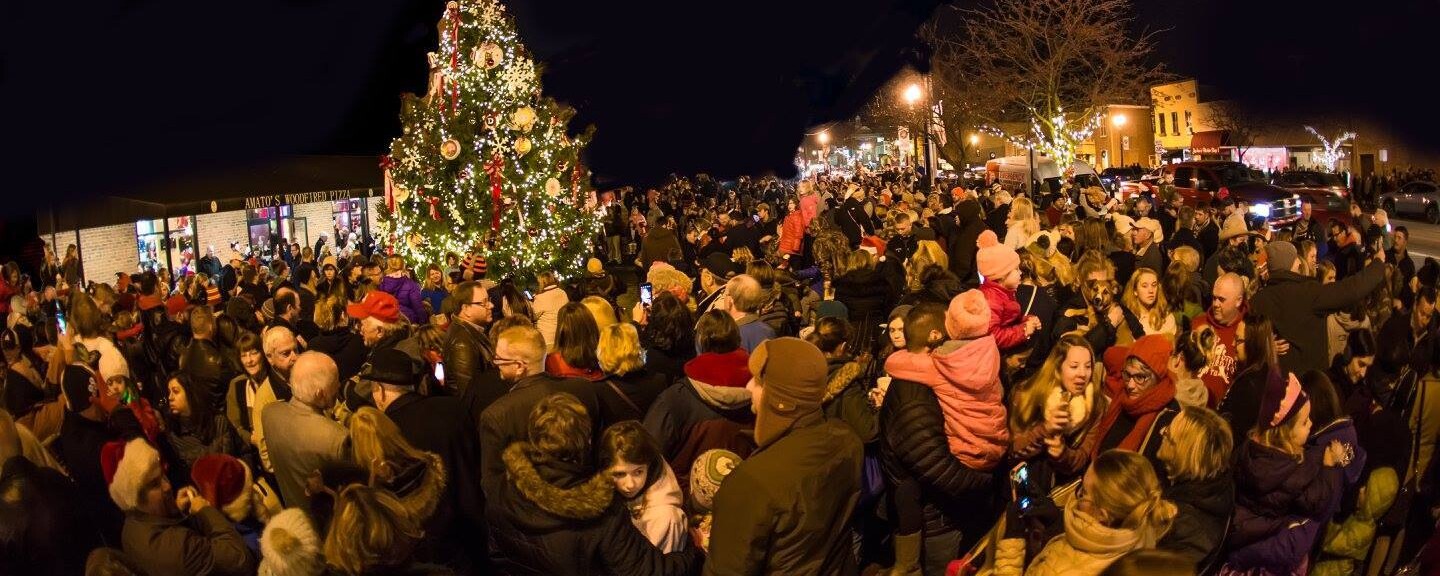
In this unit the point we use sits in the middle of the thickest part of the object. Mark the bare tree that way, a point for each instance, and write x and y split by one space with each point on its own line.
1240 124
1050 64
887 108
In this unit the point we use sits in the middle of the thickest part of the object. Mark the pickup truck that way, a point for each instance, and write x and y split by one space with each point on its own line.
1199 182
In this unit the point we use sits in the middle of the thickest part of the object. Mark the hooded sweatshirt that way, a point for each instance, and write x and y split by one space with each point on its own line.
965 376
659 514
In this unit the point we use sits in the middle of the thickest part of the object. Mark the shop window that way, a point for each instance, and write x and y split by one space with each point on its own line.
1161 122
351 216
1189 127
171 247
1175 123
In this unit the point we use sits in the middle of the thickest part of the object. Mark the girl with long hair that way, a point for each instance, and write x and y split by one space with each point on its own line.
1052 414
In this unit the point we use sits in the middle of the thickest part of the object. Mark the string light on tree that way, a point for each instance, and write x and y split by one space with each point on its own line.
1331 153
472 173
1057 137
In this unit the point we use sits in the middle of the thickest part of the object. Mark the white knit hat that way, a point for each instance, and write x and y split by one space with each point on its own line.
289 546
133 468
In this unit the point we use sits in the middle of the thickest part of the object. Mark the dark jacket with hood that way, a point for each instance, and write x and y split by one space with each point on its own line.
551 517
1272 489
1298 306
866 294
845 399
507 420
713 389
1203 514
913 446
345 347
440 425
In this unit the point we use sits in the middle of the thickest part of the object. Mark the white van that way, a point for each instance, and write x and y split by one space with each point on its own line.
1013 173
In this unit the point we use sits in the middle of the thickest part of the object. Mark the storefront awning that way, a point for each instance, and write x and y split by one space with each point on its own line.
1209 141
281 181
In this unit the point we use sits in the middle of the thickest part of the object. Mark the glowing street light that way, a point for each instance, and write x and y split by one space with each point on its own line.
974 139
1118 120
912 94
824 138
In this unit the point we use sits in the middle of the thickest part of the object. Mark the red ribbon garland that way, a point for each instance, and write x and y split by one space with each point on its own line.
492 169
385 163
454 56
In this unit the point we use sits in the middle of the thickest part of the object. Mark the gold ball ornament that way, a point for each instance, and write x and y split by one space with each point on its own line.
450 149
523 145
488 55
401 193
416 240
552 188
523 118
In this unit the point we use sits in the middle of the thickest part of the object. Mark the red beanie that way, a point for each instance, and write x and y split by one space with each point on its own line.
176 304
994 260
148 302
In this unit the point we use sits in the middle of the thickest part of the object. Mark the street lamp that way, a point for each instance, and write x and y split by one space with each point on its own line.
912 94
1119 121
824 138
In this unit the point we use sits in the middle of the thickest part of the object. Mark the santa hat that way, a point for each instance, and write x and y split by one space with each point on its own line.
968 316
994 260
873 244
1283 397
290 546
225 481
127 466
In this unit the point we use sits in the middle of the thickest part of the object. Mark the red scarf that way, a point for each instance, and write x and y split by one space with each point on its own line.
1143 409
556 366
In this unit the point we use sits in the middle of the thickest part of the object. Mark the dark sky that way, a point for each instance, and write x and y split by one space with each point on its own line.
105 98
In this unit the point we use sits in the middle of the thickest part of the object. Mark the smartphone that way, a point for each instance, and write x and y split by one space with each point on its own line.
756 218
647 294
1020 483
529 296
60 322
440 372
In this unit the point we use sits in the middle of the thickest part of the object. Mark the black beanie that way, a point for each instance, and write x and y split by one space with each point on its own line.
78 385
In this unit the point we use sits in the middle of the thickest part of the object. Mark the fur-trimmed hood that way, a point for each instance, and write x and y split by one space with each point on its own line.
842 373
552 496
419 484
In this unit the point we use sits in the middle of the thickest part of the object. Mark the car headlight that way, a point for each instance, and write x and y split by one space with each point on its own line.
1261 210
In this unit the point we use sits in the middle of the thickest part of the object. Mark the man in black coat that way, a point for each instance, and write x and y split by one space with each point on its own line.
914 453
961 245
204 360
440 425
520 356
1298 304
470 372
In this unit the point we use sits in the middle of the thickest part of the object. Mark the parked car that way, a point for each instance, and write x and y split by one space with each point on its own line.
1114 177
1328 194
1202 181
1415 198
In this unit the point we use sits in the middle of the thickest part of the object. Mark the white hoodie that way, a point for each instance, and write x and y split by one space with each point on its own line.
658 514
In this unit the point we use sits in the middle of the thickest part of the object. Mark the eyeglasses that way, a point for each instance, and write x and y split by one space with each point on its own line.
1136 376
485 303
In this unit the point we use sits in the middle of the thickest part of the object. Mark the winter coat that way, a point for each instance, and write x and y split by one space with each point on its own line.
190 443
753 332
1135 423
78 448
792 234
204 361
469 370
965 377
343 346
202 543
441 425
1298 306
786 508
1278 499
866 295
300 440
1338 327
1085 549
640 389
1203 509
1006 323
657 246
712 389
507 421
559 518
1346 544
1342 430
853 221
845 399
547 305
913 446
53 531
659 512
810 206
1240 406
961 245
407 291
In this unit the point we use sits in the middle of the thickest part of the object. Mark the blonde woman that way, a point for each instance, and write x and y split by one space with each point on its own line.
1052 415
372 533
1022 224
1119 507
549 299
1145 302
927 252
417 478
1195 452
601 310
630 388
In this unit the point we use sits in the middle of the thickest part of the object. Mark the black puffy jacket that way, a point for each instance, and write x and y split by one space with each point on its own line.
913 445
556 518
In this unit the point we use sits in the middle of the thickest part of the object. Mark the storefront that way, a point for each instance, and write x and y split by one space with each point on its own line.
174 226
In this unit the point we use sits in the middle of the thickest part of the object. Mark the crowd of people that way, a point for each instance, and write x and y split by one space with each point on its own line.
826 376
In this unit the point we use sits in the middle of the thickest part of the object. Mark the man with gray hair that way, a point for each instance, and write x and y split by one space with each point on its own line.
302 437
745 299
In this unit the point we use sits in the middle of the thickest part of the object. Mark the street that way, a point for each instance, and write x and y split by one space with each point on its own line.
1424 239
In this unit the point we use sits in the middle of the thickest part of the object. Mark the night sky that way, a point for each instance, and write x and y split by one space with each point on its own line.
103 99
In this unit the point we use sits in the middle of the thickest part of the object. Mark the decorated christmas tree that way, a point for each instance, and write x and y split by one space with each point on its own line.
484 164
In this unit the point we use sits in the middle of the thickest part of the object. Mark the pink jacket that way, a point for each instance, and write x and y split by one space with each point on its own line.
966 379
1007 324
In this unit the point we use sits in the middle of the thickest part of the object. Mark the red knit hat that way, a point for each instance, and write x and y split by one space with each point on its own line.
148 302
1154 350
220 478
968 316
994 260
380 305
176 304
212 295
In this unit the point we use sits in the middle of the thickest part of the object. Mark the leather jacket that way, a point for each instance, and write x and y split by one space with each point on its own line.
468 353
205 362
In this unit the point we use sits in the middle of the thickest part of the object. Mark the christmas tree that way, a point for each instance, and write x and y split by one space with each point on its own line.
484 164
